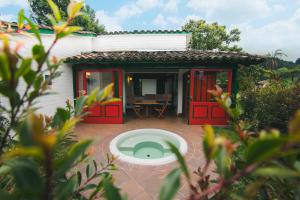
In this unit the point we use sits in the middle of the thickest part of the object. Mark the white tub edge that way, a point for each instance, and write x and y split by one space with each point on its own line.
183 148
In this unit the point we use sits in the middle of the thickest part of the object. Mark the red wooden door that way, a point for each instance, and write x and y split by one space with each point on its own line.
203 107
111 113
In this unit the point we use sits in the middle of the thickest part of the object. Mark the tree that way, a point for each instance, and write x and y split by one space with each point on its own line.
212 36
88 21
297 61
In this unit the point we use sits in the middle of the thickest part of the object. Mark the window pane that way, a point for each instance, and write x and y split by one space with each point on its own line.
98 79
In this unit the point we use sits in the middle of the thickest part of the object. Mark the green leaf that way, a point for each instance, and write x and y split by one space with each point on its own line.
25 135
73 154
170 185
262 149
60 117
52 20
80 103
24 67
208 142
223 162
278 172
74 8
21 19
67 31
29 77
92 96
65 189
90 186
180 159
5 89
79 178
55 10
110 191
26 174
38 53
38 82
33 28
95 165
87 171
4 68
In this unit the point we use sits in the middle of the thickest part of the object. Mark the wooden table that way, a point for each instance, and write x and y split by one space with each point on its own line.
147 104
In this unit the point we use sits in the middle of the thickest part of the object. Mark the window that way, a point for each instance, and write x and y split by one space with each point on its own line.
207 80
97 79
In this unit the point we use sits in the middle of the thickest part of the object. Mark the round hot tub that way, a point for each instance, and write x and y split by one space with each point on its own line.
147 146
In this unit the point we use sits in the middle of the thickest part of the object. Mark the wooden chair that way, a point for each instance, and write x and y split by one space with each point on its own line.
150 97
136 108
162 110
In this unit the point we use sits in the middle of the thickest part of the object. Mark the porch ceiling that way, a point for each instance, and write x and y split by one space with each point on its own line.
187 57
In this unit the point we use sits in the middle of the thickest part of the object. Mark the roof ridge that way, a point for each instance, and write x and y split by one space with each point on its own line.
158 31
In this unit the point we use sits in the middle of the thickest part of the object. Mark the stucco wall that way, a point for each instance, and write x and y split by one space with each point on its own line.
140 42
62 87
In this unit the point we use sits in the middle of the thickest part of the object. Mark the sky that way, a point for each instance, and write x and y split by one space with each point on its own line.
266 25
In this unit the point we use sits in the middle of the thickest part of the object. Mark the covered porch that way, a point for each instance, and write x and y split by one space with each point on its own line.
153 80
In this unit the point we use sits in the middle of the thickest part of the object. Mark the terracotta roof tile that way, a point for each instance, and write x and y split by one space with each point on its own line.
190 56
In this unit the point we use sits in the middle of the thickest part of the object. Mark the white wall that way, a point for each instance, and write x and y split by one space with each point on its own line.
180 90
140 42
62 87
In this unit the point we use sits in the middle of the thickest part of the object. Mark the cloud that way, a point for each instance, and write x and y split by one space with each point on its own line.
231 11
20 3
282 34
8 18
113 22
171 6
169 22
137 8
160 20
278 8
110 23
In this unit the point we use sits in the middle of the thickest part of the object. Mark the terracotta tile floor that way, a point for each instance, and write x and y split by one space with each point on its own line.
143 182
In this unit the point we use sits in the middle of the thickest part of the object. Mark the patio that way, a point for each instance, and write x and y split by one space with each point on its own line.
143 182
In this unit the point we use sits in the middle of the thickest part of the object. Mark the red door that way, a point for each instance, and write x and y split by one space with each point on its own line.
203 108
111 113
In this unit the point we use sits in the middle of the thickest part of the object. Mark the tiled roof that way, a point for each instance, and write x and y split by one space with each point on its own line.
145 32
190 56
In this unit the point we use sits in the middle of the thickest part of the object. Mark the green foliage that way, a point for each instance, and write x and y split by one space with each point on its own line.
87 19
39 154
249 165
271 106
171 185
212 36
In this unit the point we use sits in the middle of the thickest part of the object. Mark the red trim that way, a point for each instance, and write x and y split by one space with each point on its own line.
84 80
202 111
111 113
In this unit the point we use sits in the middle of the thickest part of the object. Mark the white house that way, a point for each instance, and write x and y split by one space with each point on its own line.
141 64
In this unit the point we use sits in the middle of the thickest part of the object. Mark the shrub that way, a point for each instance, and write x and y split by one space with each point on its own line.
271 106
262 165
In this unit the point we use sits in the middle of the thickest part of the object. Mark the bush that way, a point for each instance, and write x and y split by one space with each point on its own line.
271 106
